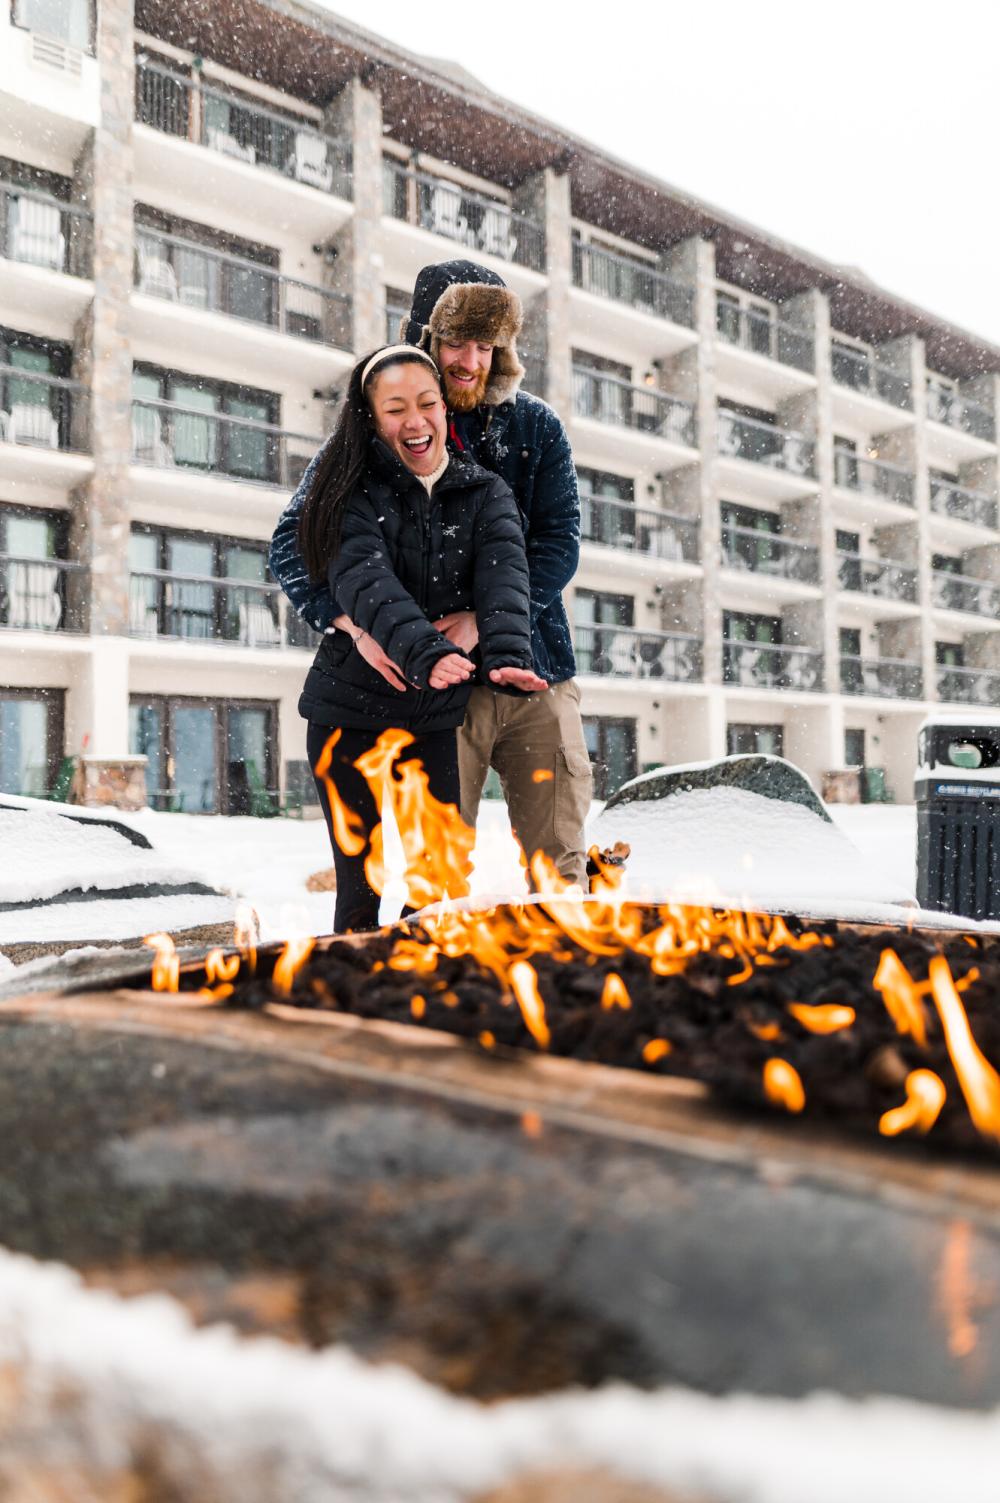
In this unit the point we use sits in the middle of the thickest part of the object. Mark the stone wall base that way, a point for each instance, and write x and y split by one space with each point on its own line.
110 782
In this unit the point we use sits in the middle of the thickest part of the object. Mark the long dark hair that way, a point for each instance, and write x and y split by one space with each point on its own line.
341 463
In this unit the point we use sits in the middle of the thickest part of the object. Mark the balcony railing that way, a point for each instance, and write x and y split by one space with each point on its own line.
194 607
969 686
624 280
630 529
606 399
37 594
747 548
948 406
892 678
168 434
963 592
765 444
860 372
241 128
754 330
768 665
40 230
461 214
965 505
880 577
181 271
43 412
872 477
625 652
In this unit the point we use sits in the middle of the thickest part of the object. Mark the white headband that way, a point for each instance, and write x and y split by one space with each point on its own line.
412 350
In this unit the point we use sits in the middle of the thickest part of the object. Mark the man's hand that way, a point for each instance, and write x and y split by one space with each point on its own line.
460 628
453 669
519 678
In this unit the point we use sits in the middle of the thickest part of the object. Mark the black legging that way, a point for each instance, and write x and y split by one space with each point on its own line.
357 902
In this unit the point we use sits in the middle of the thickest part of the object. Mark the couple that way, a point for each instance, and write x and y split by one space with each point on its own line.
439 521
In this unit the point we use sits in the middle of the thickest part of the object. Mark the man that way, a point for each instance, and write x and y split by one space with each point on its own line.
468 319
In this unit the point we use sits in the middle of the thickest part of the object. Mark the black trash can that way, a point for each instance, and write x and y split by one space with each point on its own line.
957 789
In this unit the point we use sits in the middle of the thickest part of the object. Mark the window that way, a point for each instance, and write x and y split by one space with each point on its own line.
740 549
214 591
606 508
612 747
740 663
397 307
743 321
32 409
745 740
200 437
949 654
31 740
69 21
206 756
854 747
32 593
599 617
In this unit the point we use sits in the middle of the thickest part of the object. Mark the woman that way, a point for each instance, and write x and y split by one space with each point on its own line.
407 535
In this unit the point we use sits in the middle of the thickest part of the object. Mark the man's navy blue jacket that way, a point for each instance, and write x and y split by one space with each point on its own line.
525 442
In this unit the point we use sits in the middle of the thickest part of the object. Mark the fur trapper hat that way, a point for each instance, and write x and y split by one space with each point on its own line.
460 300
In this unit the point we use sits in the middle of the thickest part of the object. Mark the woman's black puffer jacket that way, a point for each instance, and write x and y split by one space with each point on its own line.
406 559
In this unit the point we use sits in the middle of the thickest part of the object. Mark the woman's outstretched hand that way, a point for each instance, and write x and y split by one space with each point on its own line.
450 670
519 678
460 628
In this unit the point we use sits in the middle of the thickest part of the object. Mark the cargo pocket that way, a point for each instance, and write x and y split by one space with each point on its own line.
574 785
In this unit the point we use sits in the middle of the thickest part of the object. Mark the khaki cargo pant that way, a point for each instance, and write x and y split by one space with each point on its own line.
521 736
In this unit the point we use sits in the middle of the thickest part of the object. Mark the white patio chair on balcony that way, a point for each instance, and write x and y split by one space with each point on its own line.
730 439
796 455
148 444
940 400
496 236
31 423
143 619
37 235
446 216
34 597
157 277
219 139
309 162
677 424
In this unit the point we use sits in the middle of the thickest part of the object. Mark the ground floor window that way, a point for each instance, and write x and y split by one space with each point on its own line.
31 734
206 756
743 740
854 747
612 747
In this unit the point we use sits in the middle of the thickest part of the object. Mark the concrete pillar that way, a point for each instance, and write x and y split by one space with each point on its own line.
355 116
545 197
97 728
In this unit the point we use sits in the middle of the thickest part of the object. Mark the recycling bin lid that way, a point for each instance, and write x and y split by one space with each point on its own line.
960 744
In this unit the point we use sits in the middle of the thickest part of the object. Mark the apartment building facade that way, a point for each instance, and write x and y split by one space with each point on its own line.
788 477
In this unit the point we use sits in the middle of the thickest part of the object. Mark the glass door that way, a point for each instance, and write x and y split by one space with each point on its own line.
30 589
24 746
193 765
190 605
32 406
249 615
144 586
196 439
250 452
147 738
248 760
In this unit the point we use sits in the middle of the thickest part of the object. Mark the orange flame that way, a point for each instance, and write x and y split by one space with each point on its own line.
829 1017
979 1081
524 983
615 993
766 1032
656 1049
956 1292
348 829
245 934
220 967
783 1086
542 775
902 996
925 1096
291 960
166 964
418 1005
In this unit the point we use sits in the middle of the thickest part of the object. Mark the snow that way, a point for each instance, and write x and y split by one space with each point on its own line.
112 918
255 1419
45 855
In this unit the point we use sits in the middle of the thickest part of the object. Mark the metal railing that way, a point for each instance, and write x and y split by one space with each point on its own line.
40 230
963 504
630 529
168 434
765 444
193 607
43 412
747 548
626 652
876 576
861 372
36 594
625 280
968 686
873 477
607 399
892 678
963 592
241 128
456 213
769 665
181 271
762 334
948 406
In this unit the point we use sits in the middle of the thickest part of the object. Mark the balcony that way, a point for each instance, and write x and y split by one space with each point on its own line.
969 686
762 459
877 480
625 652
857 371
615 420
44 428
961 504
620 301
435 207
758 333
949 407
880 578
237 612
962 592
196 143
769 665
646 533
48 243
38 594
887 678
747 549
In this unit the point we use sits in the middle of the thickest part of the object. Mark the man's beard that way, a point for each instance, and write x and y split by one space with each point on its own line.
465 398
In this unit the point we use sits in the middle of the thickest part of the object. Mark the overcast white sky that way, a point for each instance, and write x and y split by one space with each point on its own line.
865 131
